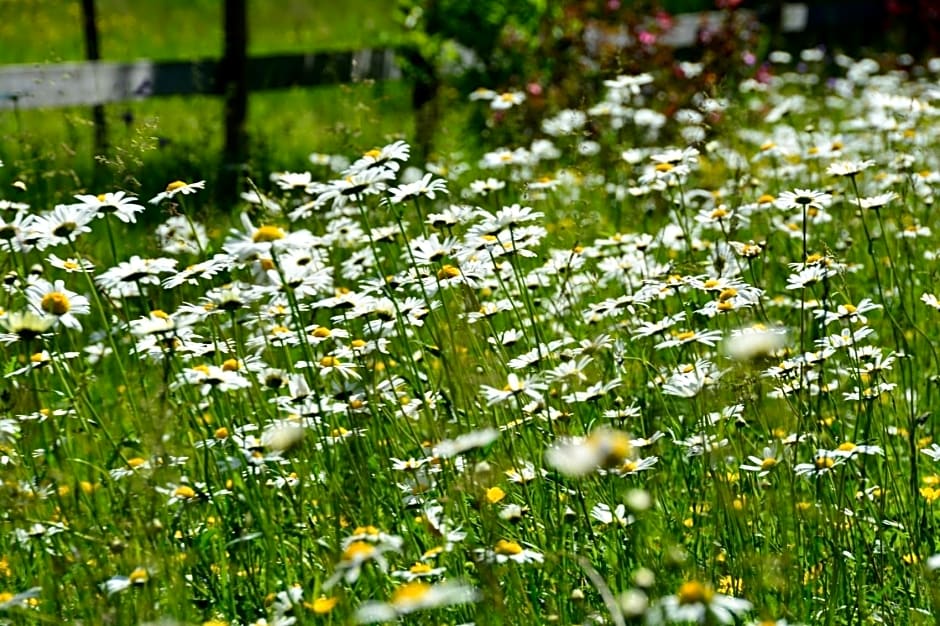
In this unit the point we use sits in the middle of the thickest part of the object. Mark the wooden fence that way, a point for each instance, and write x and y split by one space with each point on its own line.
233 76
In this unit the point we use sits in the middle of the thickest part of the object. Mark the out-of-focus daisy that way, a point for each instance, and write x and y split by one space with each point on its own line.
697 602
606 515
875 202
24 325
359 549
823 463
476 439
180 235
507 100
116 584
747 344
506 550
416 596
514 387
578 456
762 465
848 168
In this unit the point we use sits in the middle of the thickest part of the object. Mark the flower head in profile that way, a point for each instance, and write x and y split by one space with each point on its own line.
507 100
178 187
848 168
507 550
747 344
698 602
427 187
803 199
24 325
116 203
416 596
579 456
366 544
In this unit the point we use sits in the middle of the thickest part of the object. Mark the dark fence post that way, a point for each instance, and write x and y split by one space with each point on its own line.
93 53
234 83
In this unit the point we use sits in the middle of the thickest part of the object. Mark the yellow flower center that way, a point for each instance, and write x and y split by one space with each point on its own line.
374 153
664 167
322 332
329 361
324 605
420 568
358 550
508 548
230 365
824 462
848 446
176 184
694 592
448 271
267 233
185 491
768 463
410 593
765 199
139 576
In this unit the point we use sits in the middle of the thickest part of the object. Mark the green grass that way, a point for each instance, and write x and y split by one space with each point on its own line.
43 31
182 137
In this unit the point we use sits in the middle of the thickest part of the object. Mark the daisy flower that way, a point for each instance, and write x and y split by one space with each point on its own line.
54 299
62 225
875 202
848 168
697 602
178 187
507 100
427 187
24 325
416 596
803 199
506 550
117 203
389 157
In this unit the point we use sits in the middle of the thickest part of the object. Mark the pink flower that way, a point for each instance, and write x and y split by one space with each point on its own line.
646 38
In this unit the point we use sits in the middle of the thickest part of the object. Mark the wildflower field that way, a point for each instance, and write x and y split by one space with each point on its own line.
643 366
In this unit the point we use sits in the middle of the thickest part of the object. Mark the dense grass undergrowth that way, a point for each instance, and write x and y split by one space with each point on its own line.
641 369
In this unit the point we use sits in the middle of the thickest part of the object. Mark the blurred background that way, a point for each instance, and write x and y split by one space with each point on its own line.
266 103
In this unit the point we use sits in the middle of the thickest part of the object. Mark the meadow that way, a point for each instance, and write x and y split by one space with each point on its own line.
646 366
